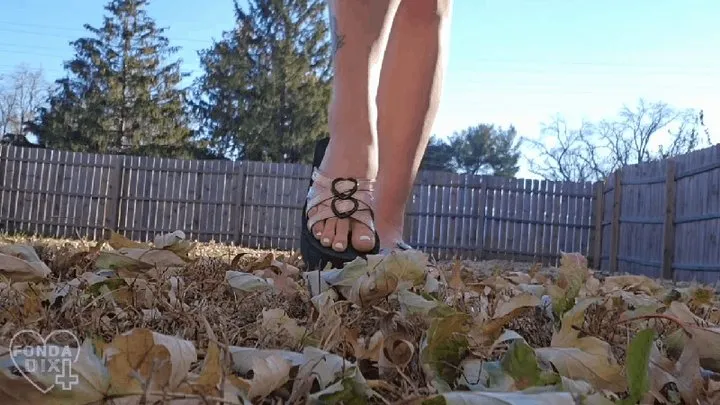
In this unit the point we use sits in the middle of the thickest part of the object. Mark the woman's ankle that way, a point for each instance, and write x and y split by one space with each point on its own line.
348 157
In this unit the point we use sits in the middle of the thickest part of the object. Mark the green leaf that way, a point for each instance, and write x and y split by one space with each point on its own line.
636 365
521 364
446 346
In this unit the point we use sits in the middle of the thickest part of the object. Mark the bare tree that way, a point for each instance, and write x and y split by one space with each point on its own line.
593 151
21 94
570 158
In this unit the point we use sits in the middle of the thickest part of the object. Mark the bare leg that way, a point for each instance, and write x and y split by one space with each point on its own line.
408 99
360 33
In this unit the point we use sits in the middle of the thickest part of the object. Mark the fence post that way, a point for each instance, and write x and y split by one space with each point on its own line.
598 224
238 187
112 213
669 224
615 235
407 219
482 208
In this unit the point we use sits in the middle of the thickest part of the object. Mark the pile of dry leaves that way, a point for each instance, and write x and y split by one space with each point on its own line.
160 323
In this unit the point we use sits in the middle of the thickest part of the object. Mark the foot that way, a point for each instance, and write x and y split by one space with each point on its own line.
340 212
391 236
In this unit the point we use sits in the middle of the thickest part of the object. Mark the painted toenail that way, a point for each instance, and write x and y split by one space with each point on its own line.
339 245
326 240
364 237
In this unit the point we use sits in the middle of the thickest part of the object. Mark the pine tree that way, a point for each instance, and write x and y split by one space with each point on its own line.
266 85
485 149
121 94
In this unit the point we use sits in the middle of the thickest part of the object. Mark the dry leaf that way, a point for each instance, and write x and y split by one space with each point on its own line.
455 281
17 269
397 351
93 380
506 308
591 360
118 241
363 348
270 373
685 373
144 352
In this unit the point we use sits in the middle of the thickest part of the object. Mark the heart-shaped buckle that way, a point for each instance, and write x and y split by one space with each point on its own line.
344 195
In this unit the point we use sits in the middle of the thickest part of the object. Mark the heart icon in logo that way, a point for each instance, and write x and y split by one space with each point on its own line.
46 359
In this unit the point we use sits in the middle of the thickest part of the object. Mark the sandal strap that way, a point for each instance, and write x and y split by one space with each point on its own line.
341 198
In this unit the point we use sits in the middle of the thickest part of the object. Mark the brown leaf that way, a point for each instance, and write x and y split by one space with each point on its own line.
143 352
17 268
506 308
592 362
706 339
455 281
118 241
636 283
371 288
397 351
364 348
685 373
269 374
212 371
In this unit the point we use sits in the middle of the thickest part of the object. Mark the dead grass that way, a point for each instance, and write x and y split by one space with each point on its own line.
181 303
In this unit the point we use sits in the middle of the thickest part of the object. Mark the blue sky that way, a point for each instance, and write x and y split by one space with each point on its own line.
511 61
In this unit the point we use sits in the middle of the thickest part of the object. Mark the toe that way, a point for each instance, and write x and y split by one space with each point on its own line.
317 229
342 228
363 239
328 233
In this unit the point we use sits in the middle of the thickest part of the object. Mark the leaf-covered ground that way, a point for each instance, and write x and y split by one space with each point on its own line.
177 323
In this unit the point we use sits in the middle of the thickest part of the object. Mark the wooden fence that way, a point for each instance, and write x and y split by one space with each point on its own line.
65 194
662 218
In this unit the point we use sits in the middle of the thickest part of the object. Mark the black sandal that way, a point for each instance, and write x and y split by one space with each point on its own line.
334 197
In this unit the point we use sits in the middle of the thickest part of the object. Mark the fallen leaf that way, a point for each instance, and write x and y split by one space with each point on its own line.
118 241
18 269
515 303
637 363
501 398
144 353
633 283
327 369
411 303
364 348
455 281
397 351
370 288
520 363
246 282
243 358
706 339
509 310
444 346
276 321
116 261
270 373
93 380
685 373
592 363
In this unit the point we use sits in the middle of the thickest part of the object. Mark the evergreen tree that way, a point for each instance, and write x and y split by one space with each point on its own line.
438 156
266 85
484 149
121 93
